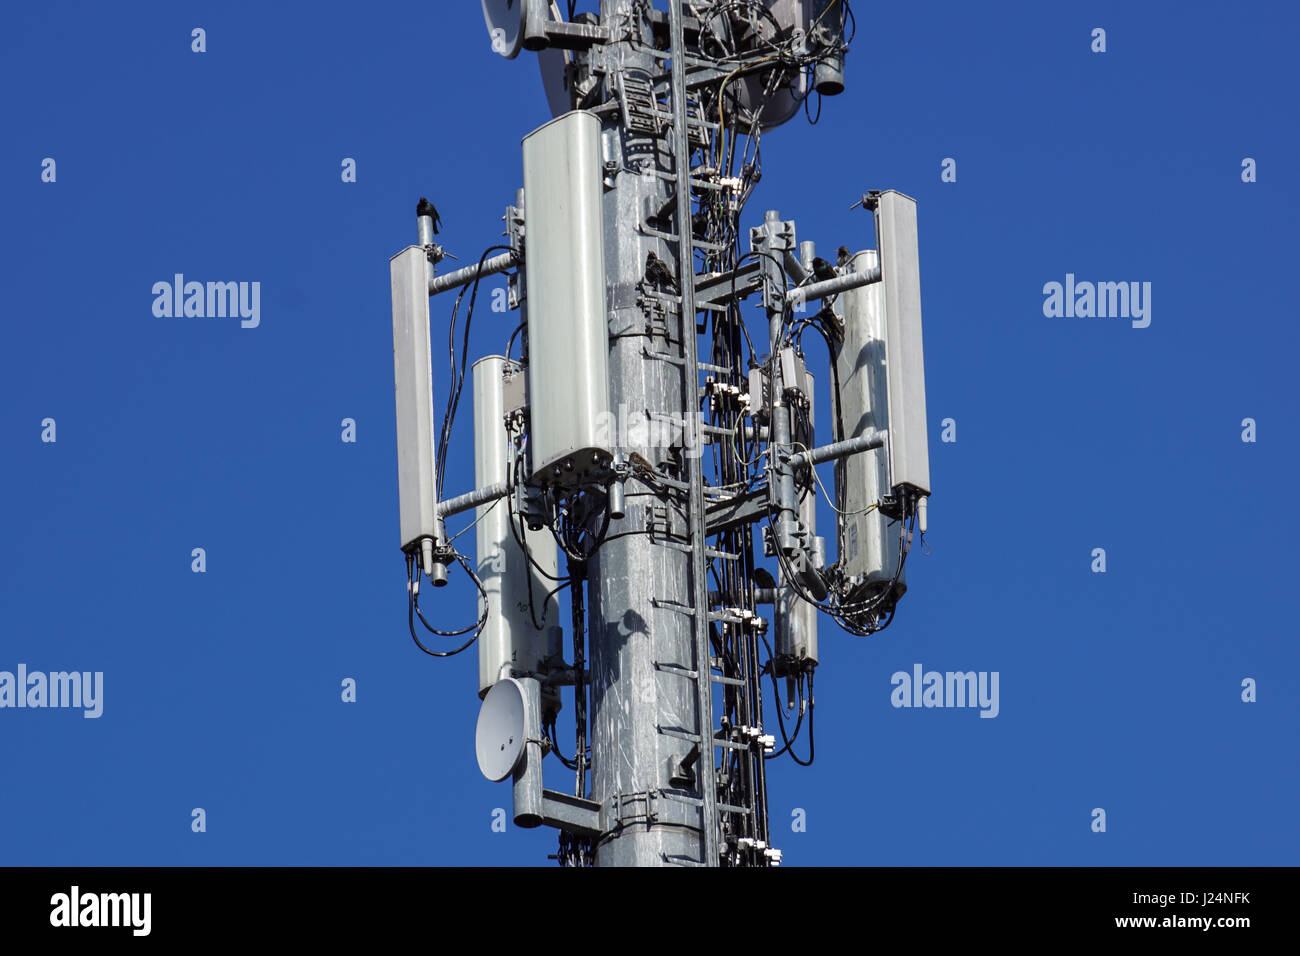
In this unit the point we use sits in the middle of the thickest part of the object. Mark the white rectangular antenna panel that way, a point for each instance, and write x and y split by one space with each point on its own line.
568 334
868 542
900 281
509 645
413 384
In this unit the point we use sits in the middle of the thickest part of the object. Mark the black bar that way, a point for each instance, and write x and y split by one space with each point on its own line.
978 905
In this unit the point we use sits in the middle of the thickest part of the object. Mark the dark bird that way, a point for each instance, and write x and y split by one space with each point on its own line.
657 272
843 256
823 270
763 578
426 208
639 464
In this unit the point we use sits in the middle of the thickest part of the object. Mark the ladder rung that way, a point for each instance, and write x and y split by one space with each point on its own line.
659 233
665 357
672 605
709 246
678 669
731 808
680 734
685 549
681 798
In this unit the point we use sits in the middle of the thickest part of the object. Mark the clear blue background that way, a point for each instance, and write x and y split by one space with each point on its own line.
222 690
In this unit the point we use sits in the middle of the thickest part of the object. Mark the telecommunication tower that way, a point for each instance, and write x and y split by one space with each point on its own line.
636 428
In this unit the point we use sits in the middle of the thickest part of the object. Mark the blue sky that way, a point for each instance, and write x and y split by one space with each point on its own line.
1119 690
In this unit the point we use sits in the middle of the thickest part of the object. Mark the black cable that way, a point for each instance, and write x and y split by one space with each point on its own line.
812 120
835 375
552 732
414 592
511 343
837 611
451 361
845 616
519 536
521 539
789 744
411 609
458 376
788 740
577 576
812 735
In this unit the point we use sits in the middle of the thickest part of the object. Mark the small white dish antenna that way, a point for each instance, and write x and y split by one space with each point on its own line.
505 21
499 736
553 62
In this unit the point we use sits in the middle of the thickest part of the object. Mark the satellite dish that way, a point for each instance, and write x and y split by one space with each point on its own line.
499 736
790 16
505 21
780 107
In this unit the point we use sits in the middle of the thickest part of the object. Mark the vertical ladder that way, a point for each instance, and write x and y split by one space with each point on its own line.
695 497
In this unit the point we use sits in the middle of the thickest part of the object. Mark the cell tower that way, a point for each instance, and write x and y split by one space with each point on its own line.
643 434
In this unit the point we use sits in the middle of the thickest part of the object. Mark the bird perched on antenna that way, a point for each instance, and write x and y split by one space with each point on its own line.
658 273
823 270
426 208
843 257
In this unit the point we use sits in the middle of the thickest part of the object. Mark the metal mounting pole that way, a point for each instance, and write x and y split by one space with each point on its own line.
641 646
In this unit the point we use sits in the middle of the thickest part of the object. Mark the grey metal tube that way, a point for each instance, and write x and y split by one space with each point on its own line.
828 75
632 702
528 772
795 267
617 501
472 499
807 253
839 449
819 290
460 277
424 228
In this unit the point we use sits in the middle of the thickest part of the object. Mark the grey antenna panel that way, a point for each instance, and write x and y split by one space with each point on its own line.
413 384
509 644
868 544
900 279
568 338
